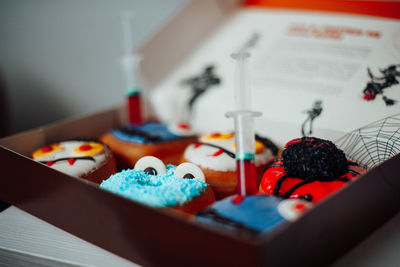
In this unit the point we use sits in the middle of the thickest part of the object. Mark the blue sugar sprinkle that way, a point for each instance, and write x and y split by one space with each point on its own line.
154 190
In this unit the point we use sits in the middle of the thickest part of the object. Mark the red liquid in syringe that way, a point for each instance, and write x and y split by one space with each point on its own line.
247 172
134 109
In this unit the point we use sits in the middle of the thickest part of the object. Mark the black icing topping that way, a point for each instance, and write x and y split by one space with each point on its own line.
146 135
268 144
75 158
278 184
291 190
229 153
314 158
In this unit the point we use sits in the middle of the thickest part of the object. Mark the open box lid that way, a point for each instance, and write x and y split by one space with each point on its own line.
297 59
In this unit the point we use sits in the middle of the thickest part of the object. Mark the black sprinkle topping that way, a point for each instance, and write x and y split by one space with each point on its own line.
314 158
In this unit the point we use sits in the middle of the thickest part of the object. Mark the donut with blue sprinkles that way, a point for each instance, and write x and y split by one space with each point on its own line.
152 183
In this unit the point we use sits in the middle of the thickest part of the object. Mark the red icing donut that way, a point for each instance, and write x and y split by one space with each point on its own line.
314 191
276 181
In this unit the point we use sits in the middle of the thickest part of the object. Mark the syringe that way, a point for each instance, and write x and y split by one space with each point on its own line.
131 66
244 132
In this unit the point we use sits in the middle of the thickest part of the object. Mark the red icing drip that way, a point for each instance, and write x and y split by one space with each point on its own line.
49 163
246 170
85 147
71 161
237 199
215 134
47 148
134 109
219 152
300 207
197 145
183 125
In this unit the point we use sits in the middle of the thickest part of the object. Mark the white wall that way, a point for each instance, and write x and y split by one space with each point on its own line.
61 58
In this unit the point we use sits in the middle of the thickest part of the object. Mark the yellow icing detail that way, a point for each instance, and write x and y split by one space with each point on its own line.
259 146
39 153
221 136
96 148
260 189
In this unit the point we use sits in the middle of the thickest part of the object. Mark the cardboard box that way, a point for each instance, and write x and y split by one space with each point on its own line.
157 237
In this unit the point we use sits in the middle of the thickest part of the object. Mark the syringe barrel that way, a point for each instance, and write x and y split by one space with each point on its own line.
131 67
134 87
242 85
244 133
245 150
244 136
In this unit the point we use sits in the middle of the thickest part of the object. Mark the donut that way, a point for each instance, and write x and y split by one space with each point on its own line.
132 142
87 159
252 215
215 155
310 169
181 187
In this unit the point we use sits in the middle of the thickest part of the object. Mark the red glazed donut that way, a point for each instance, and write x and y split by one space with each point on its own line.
310 169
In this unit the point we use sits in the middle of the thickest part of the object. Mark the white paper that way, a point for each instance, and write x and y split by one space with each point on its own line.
299 58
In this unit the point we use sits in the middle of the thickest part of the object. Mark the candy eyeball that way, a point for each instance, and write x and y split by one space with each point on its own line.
188 170
151 165
291 209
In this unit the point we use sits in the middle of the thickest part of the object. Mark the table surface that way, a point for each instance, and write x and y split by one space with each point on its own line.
28 241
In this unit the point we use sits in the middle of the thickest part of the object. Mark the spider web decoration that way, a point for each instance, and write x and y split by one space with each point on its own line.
373 143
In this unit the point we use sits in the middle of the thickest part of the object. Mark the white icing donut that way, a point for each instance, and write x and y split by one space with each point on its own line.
210 157
69 152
